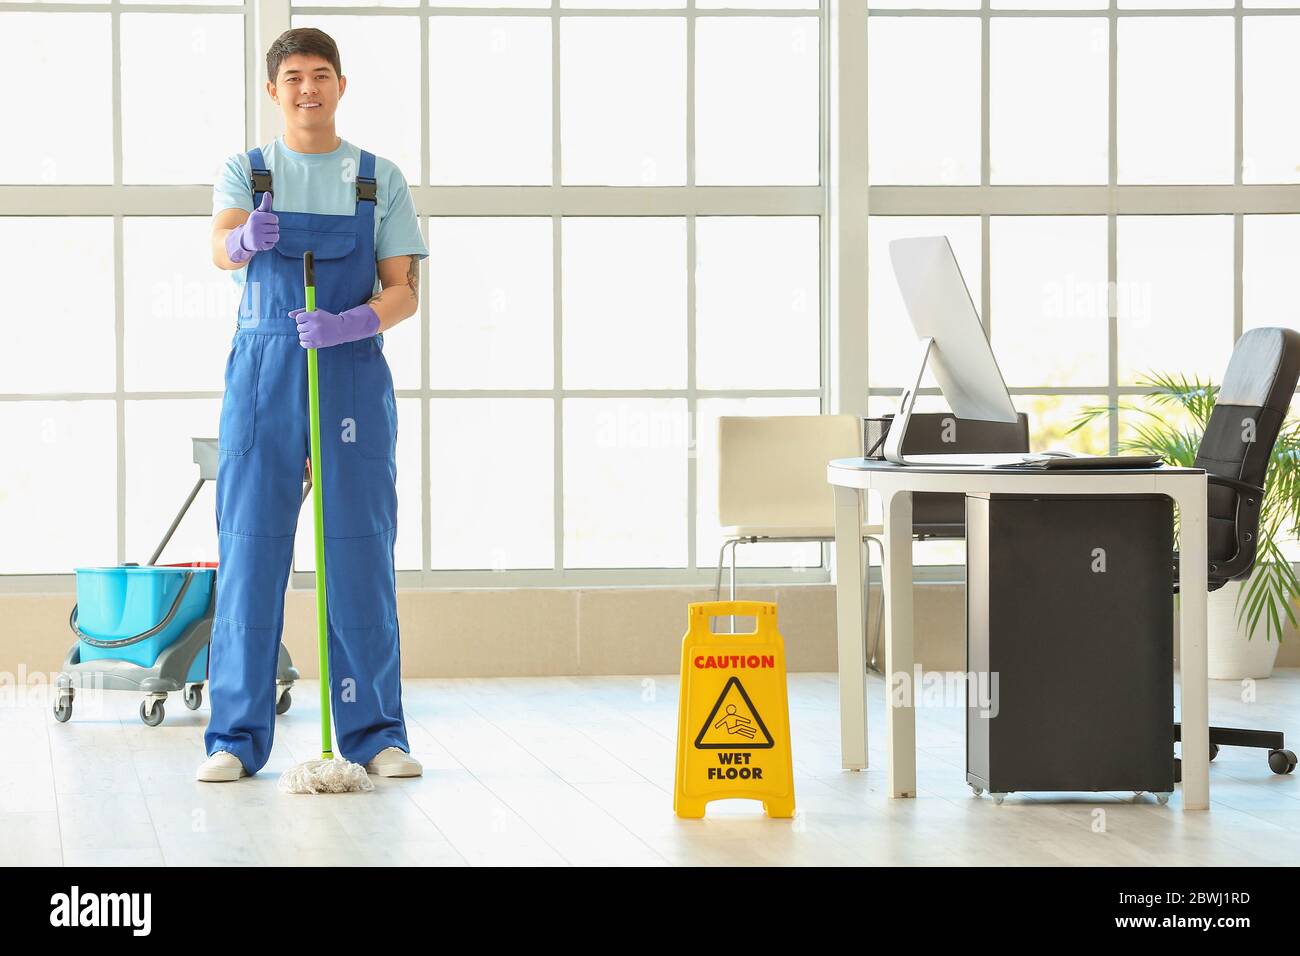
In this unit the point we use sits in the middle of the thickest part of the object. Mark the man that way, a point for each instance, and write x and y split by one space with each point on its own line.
309 190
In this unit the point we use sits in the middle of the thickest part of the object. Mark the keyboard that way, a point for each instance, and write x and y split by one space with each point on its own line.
1088 462
1033 461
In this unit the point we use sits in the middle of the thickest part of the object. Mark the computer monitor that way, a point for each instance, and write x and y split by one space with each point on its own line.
954 345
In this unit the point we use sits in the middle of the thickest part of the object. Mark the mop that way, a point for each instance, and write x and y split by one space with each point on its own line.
329 774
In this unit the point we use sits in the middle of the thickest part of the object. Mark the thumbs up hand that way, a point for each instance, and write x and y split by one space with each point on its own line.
261 231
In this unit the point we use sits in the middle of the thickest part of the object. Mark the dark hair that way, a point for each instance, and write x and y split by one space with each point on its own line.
302 40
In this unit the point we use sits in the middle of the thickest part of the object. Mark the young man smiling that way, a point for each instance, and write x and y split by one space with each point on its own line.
310 191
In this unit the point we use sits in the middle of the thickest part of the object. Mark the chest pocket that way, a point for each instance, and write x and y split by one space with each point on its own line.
321 243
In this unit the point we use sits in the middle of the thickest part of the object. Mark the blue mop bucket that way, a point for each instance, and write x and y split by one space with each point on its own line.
134 613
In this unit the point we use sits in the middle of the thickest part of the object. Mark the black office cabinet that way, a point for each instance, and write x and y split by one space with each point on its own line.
1069 603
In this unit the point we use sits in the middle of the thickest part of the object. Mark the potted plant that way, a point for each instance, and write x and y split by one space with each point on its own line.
1246 618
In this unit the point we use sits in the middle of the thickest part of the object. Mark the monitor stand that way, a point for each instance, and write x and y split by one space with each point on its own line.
898 431
898 427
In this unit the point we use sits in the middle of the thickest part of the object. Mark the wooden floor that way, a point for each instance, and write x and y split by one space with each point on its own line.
580 771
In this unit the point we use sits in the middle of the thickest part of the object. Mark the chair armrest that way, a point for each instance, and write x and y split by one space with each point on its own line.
1235 485
1249 502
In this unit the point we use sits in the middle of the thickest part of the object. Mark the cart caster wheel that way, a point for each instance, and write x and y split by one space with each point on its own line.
1163 798
976 790
193 696
1214 751
1281 761
284 703
998 798
152 716
63 709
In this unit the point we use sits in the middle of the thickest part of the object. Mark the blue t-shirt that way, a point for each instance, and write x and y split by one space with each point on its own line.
323 183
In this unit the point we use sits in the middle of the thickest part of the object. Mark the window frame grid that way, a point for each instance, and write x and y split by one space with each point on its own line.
264 19
1111 200
117 201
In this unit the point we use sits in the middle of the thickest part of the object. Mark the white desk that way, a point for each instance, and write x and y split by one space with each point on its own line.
895 485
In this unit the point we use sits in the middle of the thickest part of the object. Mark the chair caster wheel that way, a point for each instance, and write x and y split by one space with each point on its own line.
998 798
976 790
1281 761
1163 798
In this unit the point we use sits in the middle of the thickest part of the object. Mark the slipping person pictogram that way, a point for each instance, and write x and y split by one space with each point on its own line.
733 722
736 724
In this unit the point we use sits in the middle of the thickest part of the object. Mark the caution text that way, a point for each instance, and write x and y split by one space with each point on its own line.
735 661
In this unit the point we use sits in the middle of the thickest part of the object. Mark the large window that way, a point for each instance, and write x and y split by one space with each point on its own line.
623 202
625 206
119 324
1118 184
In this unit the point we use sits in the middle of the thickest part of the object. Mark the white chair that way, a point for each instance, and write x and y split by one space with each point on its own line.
772 481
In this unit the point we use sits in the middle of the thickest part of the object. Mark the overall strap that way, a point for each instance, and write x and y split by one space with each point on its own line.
367 185
261 175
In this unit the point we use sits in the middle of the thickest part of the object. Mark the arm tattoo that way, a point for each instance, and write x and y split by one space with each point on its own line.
413 278
412 282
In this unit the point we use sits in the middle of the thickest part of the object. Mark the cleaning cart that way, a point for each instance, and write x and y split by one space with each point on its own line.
146 628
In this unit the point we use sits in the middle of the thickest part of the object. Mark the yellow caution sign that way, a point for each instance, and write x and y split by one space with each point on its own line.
733 720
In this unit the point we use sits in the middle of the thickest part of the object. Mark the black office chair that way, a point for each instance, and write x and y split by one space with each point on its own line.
940 515
1257 387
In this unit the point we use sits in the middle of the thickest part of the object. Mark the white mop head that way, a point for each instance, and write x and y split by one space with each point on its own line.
326 776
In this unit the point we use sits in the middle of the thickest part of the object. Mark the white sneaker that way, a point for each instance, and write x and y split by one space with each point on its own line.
221 767
394 762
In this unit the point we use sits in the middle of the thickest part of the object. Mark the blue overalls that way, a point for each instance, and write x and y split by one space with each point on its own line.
264 444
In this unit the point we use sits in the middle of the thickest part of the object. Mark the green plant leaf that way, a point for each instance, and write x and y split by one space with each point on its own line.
1087 416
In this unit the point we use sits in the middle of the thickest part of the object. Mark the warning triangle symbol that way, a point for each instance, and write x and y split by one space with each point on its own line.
733 723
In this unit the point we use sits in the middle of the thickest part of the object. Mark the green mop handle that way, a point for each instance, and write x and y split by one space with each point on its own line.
318 517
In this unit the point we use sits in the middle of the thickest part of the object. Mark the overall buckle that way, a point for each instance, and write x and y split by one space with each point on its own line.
262 181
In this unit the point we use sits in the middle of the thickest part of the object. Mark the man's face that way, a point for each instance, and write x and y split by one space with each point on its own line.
307 90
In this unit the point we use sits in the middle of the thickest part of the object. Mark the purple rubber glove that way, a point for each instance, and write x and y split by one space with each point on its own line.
261 231
321 329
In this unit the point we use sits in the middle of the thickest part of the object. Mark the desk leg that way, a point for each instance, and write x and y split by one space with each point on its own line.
1193 656
900 714
850 614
